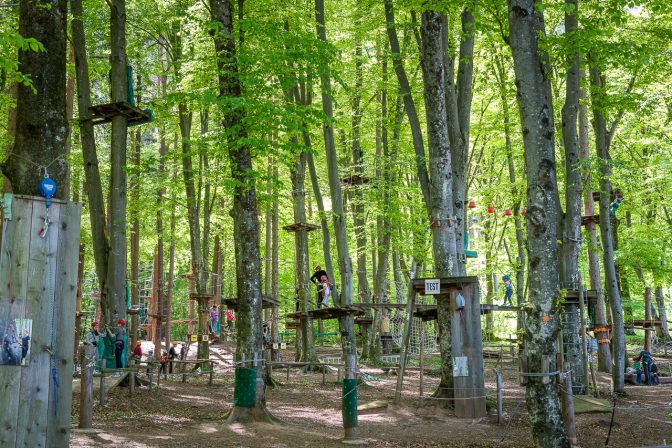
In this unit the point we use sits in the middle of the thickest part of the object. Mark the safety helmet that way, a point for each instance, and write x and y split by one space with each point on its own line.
121 322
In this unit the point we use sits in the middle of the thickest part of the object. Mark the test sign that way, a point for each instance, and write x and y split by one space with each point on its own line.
432 286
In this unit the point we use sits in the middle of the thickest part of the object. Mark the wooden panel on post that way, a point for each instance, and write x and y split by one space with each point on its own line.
14 256
67 258
33 407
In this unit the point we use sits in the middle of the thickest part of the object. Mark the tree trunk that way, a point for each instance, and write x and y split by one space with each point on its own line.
442 221
246 227
543 205
571 223
92 185
604 349
134 199
520 235
409 104
611 281
347 326
664 333
116 265
41 125
458 97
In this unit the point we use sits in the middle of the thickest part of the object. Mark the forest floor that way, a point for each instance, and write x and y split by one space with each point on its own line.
191 414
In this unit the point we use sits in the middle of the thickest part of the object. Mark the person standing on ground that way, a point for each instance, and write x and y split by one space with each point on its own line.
172 354
137 352
230 317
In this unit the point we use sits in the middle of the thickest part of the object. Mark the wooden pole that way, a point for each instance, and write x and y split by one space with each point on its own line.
86 391
407 335
584 337
422 365
131 383
500 398
102 389
568 407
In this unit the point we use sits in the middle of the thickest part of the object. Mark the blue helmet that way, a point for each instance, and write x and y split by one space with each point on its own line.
506 277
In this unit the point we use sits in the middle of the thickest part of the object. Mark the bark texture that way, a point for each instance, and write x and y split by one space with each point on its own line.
246 225
542 323
41 125
606 231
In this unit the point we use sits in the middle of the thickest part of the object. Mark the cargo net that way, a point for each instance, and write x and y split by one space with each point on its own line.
419 329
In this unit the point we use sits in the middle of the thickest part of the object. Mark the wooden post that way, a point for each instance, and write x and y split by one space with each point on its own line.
86 391
584 336
102 389
324 373
131 383
404 345
500 399
422 364
150 373
287 373
212 369
568 406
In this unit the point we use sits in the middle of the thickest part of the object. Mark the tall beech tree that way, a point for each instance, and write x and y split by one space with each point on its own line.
532 69
246 225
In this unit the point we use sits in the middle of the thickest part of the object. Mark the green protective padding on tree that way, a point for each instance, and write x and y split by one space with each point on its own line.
350 403
245 389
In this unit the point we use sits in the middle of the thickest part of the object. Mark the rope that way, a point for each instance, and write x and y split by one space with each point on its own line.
52 300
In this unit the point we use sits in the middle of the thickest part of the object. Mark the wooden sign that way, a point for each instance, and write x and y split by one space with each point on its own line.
432 286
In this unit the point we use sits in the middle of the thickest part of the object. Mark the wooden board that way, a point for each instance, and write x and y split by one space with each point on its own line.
300 226
67 259
14 256
266 302
446 283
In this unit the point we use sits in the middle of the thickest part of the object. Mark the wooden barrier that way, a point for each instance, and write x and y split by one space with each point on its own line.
38 283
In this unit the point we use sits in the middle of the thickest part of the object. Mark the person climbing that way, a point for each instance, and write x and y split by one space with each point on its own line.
150 360
509 289
459 298
137 352
323 293
214 319
230 317
316 278
25 345
172 354
119 335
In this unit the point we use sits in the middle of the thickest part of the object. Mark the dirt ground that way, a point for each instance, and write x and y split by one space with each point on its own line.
190 414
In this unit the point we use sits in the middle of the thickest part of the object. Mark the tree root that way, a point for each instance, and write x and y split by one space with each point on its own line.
249 415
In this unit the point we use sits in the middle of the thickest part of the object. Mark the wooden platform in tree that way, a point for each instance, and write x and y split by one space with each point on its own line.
327 313
194 296
301 227
266 302
428 312
363 320
292 324
355 179
103 113
585 220
572 296
488 308
446 283
380 306
646 324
